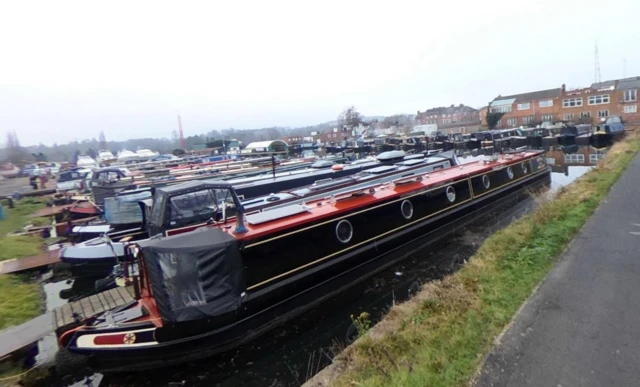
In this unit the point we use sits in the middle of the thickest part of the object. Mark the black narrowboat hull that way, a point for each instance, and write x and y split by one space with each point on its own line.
311 270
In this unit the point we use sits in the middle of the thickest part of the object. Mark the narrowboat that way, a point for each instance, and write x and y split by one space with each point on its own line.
204 292
454 141
96 257
568 134
607 132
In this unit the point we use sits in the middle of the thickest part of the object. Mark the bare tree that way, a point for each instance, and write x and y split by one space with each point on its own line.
350 117
15 153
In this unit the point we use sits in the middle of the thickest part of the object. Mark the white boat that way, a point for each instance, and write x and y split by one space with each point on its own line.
86 162
145 154
127 155
104 156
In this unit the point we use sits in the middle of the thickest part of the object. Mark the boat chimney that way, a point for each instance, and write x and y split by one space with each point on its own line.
240 227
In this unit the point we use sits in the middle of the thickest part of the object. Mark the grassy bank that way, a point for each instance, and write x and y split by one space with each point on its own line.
440 336
15 219
20 298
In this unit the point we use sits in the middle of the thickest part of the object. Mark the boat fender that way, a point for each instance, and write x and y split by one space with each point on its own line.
352 333
413 289
338 167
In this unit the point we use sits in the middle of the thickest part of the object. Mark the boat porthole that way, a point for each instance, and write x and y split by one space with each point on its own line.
344 231
451 194
486 181
407 209
510 173
525 170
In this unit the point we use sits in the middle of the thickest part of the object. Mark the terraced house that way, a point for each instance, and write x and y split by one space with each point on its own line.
593 104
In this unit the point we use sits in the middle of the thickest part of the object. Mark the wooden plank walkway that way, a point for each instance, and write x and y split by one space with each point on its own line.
17 337
15 265
77 311
14 338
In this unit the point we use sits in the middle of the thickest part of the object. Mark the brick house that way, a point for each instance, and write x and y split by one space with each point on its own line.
460 118
527 109
591 104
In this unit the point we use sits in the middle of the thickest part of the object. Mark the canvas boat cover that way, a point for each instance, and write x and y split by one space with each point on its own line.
194 275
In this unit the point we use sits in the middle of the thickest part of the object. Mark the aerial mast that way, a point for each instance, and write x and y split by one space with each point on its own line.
182 143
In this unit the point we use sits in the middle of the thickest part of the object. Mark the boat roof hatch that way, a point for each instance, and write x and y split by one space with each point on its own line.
391 155
382 169
410 162
322 164
275 214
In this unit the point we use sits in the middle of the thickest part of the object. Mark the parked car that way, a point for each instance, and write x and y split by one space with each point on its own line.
74 180
9 170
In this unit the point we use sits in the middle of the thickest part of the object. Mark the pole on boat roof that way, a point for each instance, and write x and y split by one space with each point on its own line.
273 165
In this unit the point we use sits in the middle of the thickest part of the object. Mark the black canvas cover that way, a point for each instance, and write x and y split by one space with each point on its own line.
194 275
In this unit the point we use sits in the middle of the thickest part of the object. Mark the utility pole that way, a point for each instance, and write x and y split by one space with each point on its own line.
596 61
182 142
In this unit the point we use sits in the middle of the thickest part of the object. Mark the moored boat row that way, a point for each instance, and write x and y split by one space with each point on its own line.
207 290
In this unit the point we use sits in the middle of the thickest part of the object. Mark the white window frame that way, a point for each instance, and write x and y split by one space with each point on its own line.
595 157
600 99
574 158
527 120
524 106
547 117
603 113
547 103
631 95
512 121
499 123
630 109
572 102
585 114
501 109
568 116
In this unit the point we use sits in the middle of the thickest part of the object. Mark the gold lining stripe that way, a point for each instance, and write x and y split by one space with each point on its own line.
370 208
354 246
371 239
351 214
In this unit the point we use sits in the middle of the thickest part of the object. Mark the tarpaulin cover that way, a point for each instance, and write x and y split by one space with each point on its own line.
194 275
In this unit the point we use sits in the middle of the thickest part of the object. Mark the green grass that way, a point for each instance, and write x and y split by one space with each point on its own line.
440 336
20 297
15 219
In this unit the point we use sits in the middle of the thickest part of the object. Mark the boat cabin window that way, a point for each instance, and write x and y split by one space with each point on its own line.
202 204
107 176
69 176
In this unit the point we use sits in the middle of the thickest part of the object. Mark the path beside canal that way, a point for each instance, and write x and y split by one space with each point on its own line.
582 326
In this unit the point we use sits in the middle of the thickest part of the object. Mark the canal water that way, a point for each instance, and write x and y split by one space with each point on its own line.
290 355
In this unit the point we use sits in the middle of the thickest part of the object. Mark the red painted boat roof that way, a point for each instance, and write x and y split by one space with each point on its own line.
323 209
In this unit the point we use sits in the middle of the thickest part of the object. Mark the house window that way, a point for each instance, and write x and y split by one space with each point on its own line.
527 120
572 102
599 99
547 117
568 116
603 113
501 109
512 121
499 123
524 106
574 158
630 95
547 103
585 114
594 158
631 109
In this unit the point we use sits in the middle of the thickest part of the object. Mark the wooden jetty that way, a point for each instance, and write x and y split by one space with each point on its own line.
33 262
15 338
76 311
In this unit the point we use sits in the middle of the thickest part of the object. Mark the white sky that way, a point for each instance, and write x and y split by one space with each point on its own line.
70 69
